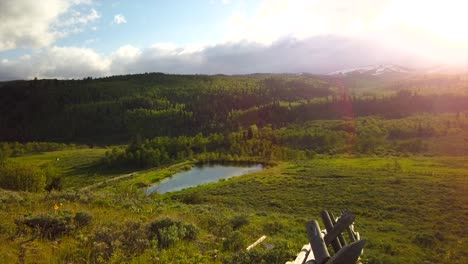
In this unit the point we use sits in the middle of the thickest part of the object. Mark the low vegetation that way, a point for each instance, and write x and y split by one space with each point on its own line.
395 157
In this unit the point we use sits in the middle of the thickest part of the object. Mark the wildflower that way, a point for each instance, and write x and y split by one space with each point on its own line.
56 207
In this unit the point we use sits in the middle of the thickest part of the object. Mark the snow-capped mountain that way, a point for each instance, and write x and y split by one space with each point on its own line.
372 70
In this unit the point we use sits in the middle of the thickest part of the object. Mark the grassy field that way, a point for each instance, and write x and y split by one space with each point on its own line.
79 167
410 210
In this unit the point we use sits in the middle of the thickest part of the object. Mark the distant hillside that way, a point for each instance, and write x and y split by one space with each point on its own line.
372 70
115 109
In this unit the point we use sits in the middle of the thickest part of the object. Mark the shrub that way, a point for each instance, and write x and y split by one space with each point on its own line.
49 226
119 242
411 145
53 180
169 232
191 198
82 219
272 228
55 184
21 177
239 221
425 240
234 242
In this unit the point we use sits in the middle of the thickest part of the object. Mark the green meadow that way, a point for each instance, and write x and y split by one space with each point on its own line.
76 157
408 208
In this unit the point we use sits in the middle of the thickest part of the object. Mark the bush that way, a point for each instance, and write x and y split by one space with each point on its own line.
239 221
169 232
53 180
49 226
192 198
425 240
235 242
21 177
134 239
273 228
55 184
411 146
119 243
82 219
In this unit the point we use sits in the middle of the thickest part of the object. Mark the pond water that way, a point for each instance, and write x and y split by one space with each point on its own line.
201 174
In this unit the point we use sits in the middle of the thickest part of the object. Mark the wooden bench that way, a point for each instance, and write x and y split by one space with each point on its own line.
316 252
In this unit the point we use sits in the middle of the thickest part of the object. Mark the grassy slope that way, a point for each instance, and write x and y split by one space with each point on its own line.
410 209
394 202
79 166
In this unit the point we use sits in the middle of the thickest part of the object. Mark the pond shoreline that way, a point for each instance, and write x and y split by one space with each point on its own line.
203 173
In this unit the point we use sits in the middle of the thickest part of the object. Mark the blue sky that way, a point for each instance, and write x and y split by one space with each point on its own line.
148 22
79 38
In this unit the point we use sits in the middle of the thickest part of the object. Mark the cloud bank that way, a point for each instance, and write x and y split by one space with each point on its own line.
320 54
35 24
281 36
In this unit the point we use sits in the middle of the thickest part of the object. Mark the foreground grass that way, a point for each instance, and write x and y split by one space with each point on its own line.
410 210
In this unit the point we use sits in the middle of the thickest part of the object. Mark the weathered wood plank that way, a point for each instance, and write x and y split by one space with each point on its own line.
310 258
302 256
316 242
336 245
348 254
256 243
345 220
350 231
340 236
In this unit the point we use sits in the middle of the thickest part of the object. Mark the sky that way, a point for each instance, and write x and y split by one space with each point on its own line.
81 38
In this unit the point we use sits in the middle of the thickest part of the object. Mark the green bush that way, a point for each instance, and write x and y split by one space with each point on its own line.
239 221
425 240
82 219
21 177
54 184
273 228
235 242
53 179
49 226
169 232
191 198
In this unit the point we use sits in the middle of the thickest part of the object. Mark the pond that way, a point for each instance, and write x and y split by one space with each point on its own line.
202 174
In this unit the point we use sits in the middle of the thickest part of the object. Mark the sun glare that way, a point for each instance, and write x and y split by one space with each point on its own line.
446 20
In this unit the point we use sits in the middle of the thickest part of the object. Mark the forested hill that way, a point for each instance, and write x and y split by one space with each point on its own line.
154 104
114 109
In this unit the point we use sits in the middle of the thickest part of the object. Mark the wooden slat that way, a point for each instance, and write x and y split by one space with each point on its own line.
256 243
348 254
336 245
345 220
302 256
350 231
310 258
316 242
340 236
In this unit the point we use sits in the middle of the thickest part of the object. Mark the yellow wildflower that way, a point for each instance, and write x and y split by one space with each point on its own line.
56 207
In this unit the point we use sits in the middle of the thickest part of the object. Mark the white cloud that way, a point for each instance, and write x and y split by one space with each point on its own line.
281 36
273 19
56 62
77 18
35 24
321 54
119 19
